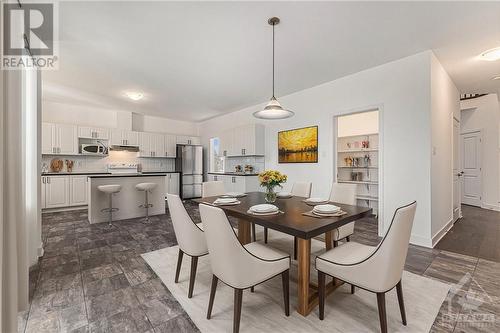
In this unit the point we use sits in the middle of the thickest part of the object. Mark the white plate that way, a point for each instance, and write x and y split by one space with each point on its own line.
225 200
233 203
284 195
316 200
325 214
264 208
264 214
326 209
233 195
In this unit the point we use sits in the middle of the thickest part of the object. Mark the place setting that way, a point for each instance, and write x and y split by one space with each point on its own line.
316 201
264 210
325 211
225 201
233 195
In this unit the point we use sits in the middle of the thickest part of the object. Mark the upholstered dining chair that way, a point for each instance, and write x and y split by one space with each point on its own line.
212 189
190 237
240 266
374 268
344 194
299 189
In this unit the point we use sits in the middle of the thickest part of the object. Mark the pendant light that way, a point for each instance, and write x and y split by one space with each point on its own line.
273 109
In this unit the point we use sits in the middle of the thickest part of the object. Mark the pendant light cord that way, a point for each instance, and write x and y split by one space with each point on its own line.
273 60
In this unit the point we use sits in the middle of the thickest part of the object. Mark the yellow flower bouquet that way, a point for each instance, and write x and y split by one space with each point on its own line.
270 179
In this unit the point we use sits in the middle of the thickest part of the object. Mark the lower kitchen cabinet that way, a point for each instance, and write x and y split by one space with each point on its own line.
78 190
64 191
172 183
237 183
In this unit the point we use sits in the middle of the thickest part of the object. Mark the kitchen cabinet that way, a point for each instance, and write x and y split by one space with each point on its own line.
237 183
172 185
188 140
59 139
121 137
56 191
170 145
93 133
151 145
246 140
78 190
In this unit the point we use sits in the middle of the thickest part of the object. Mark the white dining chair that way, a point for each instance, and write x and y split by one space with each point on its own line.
374 268
240 266
212 189
343 194
190 237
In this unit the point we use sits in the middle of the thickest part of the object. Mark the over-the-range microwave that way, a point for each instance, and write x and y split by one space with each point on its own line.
93 149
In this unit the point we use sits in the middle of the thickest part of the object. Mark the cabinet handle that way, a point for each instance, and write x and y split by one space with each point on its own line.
43 180
48 180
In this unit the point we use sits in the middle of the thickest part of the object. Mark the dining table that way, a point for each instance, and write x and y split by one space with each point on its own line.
292 221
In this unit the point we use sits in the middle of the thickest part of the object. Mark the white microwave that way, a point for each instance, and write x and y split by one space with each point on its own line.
93 149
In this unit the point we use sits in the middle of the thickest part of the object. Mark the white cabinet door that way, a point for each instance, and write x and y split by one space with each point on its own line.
188 140
57 192
101 133
116 137
78 190
159 145
43 203
226 143
194 140
67 141
239 184
85 132
228 183
93 133
132 138
173 186
170 145
48 135
145 145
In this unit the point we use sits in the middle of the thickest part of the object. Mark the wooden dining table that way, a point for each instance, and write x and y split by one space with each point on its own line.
291 221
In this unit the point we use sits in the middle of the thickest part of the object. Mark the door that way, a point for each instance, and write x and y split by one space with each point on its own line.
78 191
48 133
67 139
471 164
457 172
57 191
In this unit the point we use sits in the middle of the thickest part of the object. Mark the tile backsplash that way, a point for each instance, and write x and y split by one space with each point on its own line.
256 161
98 164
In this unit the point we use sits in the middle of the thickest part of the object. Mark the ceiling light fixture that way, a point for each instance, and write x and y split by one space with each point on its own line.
134 95
496 77
273 109
491 55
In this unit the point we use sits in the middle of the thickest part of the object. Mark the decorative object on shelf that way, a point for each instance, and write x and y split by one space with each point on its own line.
298 145
273 109
238 168
69 165
249 168
368 160
270 179
56 165
365 144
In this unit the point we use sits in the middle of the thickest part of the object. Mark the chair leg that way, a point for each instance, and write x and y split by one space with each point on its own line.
381 312
348 239
353 289
321 294
335 243
265 235
294 248
238 295
179 263
254 236
285 279
399 289
194 264
215 279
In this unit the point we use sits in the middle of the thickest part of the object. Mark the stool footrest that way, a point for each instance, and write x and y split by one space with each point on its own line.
107 210
146 206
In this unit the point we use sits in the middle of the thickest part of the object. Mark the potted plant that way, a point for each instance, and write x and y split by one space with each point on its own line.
270 179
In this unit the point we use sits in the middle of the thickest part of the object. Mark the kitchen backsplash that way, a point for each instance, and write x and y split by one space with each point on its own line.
98 164
256 161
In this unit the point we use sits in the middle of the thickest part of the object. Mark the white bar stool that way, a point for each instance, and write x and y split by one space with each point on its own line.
110 190
147 188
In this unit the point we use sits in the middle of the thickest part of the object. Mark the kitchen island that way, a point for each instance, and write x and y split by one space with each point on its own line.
128 199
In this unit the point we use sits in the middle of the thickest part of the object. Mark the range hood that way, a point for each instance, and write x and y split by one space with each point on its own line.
133 149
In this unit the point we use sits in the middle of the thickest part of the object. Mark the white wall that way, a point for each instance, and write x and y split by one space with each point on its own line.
92 116
486 116
358 124
445 103
402 91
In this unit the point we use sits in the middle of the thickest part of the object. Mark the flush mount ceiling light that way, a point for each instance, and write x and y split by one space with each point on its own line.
273 109
491 55
496 77
134 95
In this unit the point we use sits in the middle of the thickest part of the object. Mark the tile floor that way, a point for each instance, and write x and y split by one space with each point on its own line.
92 279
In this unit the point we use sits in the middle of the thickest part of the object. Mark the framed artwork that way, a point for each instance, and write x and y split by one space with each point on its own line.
298 145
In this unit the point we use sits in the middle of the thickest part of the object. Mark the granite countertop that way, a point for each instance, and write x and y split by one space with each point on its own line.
233 173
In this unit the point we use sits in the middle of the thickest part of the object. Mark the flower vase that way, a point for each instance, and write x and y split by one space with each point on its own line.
270 194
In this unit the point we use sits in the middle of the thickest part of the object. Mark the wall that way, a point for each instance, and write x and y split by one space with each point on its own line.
91 116
402 91
486 116
358 124
445 103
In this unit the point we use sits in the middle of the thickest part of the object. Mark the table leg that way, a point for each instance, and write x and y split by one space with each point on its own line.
304 274
244 231
328 240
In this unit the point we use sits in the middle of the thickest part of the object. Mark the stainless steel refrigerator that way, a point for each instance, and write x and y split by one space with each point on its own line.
189 163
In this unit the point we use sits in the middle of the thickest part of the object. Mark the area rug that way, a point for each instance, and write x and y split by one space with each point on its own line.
262 311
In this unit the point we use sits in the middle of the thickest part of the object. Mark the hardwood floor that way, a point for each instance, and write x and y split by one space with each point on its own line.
92 279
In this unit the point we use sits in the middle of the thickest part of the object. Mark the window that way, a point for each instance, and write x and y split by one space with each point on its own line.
216 159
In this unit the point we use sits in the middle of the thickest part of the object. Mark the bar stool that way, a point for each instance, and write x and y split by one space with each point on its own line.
147 188
110 190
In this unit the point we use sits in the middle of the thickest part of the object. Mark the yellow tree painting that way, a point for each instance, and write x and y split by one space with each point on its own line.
298 145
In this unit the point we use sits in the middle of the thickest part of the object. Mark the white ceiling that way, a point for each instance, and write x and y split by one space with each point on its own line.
197 60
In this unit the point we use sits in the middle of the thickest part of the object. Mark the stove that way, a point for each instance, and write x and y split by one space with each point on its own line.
121 168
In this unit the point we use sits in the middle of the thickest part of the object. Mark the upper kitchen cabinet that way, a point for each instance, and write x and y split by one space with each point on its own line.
121 137
59 139
93 133
151 145
170 145
246 140
188 140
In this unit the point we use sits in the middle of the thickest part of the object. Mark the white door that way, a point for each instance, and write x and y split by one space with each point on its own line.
471 164
57 191
67 139
48 133
457 172
78 191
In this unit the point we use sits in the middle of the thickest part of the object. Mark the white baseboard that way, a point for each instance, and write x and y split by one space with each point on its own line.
440 234
491 207
63 209
421 241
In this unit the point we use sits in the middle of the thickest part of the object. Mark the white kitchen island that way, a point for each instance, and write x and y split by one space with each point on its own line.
128 199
